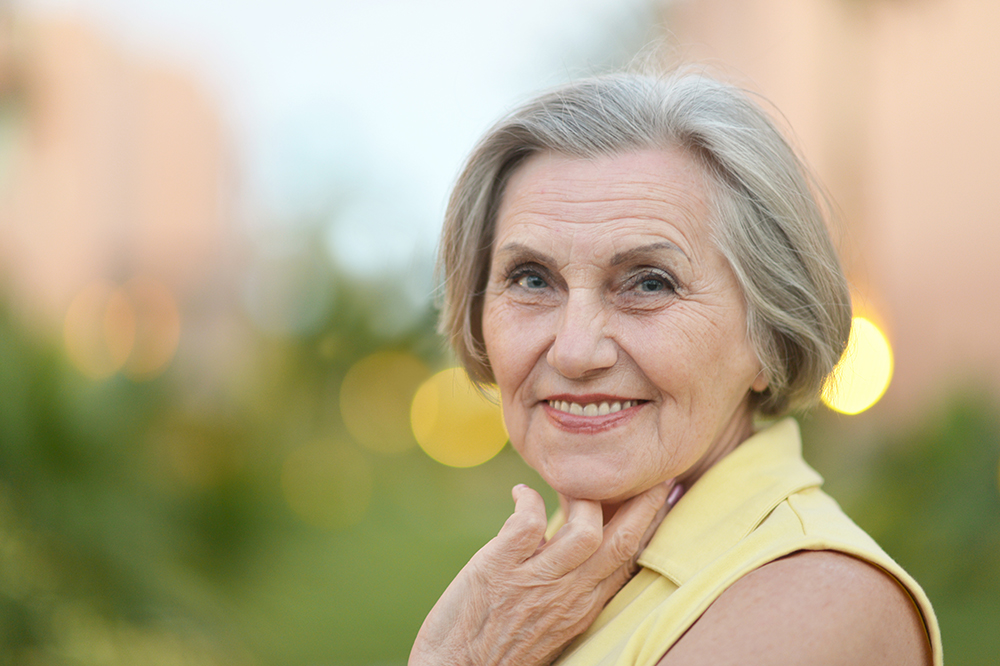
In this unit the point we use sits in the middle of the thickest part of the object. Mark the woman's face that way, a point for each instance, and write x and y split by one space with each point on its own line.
615 328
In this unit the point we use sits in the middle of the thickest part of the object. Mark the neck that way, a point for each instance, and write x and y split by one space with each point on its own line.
736 432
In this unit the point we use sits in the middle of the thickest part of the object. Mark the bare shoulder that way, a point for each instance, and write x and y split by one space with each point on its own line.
812 607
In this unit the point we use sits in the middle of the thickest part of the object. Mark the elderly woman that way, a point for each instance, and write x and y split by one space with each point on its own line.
641 267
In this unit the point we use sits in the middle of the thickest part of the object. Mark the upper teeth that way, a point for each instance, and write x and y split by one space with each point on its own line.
593 409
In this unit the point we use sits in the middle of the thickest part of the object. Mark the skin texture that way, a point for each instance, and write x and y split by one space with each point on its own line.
605 287
520 599
809 608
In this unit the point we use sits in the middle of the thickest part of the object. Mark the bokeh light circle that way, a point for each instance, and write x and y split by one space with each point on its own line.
158 327
100 329
375 400
133 328
863 373
327 484
454 423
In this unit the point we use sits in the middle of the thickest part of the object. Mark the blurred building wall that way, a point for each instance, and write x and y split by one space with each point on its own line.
114 169
895 104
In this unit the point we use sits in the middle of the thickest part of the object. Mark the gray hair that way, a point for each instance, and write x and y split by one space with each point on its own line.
766 219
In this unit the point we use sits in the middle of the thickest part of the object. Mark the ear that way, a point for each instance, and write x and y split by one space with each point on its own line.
760 382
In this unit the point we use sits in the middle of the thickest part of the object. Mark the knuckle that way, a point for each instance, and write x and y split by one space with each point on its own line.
588 536
623 544
524 527
532 525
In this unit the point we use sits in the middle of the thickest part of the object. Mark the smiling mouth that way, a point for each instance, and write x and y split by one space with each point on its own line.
593 408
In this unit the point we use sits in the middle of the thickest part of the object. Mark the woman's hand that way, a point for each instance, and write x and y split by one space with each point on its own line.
521 599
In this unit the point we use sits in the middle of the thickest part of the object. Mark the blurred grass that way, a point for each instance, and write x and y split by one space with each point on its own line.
112 553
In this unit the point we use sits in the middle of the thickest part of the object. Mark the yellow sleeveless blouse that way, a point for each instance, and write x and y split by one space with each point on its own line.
758 504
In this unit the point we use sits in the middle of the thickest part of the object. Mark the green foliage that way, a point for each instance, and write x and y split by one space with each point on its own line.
145 523
140 525
930 497
91 552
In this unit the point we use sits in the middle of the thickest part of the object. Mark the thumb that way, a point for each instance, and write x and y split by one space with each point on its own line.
523 533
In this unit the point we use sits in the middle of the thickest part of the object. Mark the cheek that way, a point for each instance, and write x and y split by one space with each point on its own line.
663 349
496 338
506 356
510 370
515 342
693 359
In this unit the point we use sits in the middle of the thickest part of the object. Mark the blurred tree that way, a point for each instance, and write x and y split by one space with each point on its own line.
929 495
137 527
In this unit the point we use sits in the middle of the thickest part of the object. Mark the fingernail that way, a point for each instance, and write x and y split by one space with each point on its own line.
675 494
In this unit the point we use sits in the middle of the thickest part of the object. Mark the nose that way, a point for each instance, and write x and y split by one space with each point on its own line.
582 346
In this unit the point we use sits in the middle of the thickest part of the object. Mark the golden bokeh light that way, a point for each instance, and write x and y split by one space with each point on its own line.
158 328
454 423
864 372
133 328
375 400
100 329
327 484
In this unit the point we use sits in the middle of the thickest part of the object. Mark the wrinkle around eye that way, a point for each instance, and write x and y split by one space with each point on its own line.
636 282
635 300
516 291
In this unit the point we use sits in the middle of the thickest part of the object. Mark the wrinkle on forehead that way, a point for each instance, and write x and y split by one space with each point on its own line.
647 193
647 251
668 180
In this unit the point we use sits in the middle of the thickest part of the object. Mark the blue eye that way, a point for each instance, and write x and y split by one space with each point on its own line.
652 284
532 282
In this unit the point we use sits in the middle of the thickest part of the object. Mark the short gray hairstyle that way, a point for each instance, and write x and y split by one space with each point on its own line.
766 219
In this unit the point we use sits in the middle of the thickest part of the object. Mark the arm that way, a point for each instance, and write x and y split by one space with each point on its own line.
812 607
521 599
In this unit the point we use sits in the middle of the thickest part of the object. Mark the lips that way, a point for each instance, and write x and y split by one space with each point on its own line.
590 413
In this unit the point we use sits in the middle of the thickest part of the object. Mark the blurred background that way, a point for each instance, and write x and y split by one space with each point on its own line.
217 233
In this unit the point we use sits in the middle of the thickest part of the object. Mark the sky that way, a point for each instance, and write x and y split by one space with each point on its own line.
370 106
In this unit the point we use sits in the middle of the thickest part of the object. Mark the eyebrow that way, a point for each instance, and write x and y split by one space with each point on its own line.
530 254
644 251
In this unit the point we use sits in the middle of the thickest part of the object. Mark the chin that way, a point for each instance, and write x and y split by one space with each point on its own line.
598 487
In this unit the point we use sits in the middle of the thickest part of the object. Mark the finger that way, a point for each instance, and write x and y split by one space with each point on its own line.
608 587
631 528
524 531
576 541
